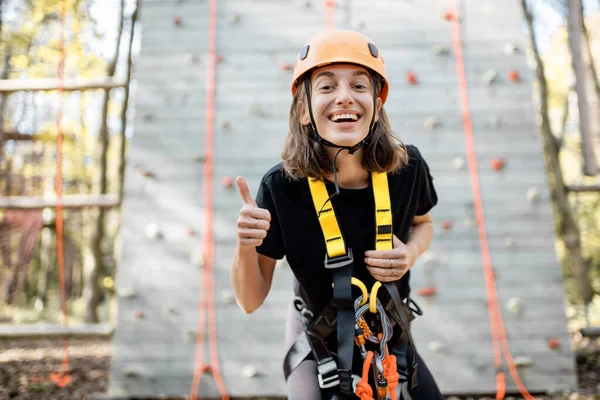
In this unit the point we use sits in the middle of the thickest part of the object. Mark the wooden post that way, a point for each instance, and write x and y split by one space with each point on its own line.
589 119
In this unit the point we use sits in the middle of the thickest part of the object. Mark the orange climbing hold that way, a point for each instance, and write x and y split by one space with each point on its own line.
553 343
220 59
449 16
427 291
446 225
191 232
285 66
139 314
227 181
514 76
497 163
177 21
411 78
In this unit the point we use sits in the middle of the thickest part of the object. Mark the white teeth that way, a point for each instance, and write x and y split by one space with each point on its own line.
344 116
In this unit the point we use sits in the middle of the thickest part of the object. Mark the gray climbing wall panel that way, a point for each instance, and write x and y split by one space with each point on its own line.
160 276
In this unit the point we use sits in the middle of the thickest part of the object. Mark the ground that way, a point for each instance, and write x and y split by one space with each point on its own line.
25 368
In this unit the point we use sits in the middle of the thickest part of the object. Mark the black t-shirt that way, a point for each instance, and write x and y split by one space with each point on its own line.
296 234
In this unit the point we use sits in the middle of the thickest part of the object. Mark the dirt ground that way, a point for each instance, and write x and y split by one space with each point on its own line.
25 368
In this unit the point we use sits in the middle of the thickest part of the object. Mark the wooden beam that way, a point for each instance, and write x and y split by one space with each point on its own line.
583 188
39 331
68 201
591 332
69 84
12 135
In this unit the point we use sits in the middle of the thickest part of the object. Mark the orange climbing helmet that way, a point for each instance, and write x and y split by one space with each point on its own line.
340 46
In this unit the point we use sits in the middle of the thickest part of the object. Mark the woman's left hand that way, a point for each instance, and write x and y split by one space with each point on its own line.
389 265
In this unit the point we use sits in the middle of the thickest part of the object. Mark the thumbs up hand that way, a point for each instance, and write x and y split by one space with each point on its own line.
253 222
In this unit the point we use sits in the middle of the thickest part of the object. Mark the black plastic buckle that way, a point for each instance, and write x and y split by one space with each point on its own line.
340 261
328 374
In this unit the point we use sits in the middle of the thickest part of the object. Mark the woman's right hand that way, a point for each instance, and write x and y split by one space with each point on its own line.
253 222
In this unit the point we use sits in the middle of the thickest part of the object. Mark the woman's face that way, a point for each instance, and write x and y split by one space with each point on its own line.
342 103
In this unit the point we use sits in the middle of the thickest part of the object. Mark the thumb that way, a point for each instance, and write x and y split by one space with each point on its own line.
245 191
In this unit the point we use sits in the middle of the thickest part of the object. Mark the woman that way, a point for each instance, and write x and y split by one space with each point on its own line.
341 162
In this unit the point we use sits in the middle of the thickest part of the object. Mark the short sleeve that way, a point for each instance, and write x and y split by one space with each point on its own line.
427 196
272 245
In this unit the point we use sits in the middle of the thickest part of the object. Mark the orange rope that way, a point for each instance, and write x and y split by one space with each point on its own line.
207 301
494 313
63 377
329 14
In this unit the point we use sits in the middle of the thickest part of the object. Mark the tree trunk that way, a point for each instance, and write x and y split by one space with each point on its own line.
587 95
93 254
565 222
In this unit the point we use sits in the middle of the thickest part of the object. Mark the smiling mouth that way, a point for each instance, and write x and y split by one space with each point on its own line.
349 117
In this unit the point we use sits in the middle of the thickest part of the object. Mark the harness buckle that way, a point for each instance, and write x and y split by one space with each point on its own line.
328 374
339 261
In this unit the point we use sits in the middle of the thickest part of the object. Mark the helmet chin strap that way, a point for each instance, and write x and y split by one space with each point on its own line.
325 142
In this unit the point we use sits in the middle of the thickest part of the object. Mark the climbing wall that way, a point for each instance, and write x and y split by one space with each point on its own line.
159 277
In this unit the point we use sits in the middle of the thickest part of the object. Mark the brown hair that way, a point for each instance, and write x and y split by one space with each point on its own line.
303 156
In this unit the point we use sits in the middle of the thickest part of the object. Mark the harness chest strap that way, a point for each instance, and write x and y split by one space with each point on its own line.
339 258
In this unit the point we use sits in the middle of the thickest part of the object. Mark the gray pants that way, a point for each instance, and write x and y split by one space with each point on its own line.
302 384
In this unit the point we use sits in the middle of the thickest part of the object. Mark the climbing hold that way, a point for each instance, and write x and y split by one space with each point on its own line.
227 297
177 21
533 194
131 372
126 293
145 173
509 241
489 76
189 334
497 163
249 371
192 58
448 16
523 361
306 3
153 231
515 305
514 76
553 343
440 50
510 48
427 291
470 223
256 111
227 181
207 369
148 117
196 258
220 59
190 232
411 78
226 125
139 314
234 18
458 162
495 122
200 158
435 347
432 123
359 25
446 225
430 259
285 66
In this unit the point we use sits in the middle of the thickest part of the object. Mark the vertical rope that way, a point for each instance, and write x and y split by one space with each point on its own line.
499 339
207 289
